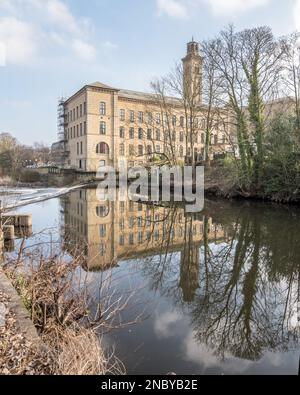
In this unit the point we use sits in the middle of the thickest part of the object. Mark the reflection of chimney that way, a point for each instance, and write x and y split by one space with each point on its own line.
192 73
189 272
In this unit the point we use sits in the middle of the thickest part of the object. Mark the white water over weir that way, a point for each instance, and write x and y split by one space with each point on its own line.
12 198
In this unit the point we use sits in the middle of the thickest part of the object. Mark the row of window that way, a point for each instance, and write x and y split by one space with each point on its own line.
77 112
78 130
158 118
103 149
156 135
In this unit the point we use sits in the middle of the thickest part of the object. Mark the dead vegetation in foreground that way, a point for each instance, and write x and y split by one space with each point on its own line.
54 291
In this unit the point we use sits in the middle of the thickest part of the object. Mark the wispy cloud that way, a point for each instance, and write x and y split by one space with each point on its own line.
233 7
296 14
185 8
172 8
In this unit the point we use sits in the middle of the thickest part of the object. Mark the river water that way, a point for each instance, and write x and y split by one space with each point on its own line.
217 292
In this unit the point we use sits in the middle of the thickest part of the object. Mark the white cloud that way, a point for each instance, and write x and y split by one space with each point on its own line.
296 14
18 39
83 50
38 23
185 8
229 7
164 323
2 54
61 15
173 8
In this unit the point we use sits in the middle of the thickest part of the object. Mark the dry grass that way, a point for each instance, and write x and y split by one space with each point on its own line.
82 354
56 296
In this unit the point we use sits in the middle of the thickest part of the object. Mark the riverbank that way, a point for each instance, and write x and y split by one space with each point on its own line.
21 349
43 322
222 182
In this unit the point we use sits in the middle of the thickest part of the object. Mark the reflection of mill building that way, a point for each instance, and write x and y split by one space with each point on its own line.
116 231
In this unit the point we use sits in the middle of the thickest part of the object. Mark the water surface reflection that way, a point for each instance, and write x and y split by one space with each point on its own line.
221 288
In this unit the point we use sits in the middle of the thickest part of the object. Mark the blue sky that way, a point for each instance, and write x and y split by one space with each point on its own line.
50 48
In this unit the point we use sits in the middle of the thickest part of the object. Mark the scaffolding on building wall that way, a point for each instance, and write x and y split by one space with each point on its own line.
59 150
62 120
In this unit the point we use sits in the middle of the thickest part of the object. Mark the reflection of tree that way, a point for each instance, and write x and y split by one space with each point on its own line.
245 313
189 264
242 294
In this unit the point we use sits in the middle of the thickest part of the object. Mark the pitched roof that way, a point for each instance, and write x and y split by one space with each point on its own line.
98 84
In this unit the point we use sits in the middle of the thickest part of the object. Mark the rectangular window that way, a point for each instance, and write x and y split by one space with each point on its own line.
150 118
102 250
84 127
122 224
122 150
202 138
77 130
157 134
102 108
181 137
77 112
102 230
122 132
174 120
140 237
140 222
141 150
131 150
141 117
122 207
102 128
84 108
158 117
157 148
122 240
81 148
81 110
131 222
141 134
131 116
122 115
81 129
149 134
131 133
77 148
131 239
182 122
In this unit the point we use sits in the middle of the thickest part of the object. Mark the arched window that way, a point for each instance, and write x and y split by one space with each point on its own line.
102 211
102 148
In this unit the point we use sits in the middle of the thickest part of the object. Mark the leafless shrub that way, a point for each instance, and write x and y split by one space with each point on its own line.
55 292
